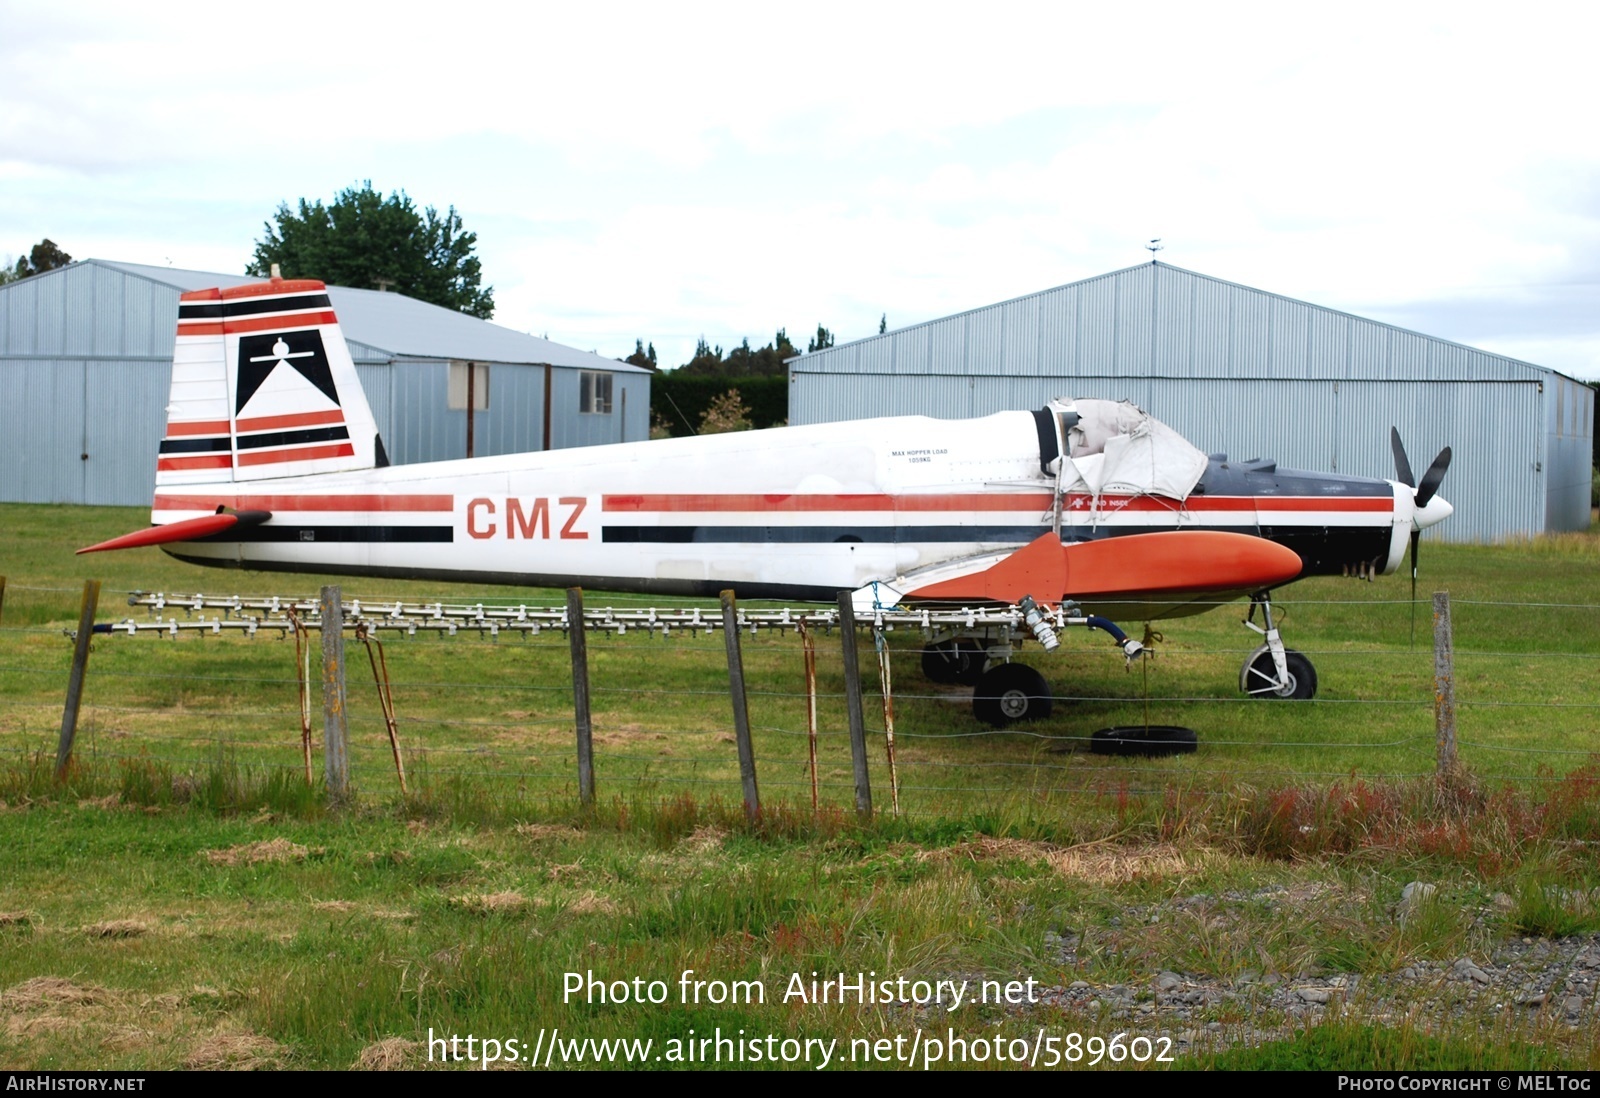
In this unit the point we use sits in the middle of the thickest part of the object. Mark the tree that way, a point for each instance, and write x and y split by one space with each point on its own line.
367 241
883 323
822 340
743 361
642 357
726 413
43 256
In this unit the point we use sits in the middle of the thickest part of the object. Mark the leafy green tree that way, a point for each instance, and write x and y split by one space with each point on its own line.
743 361
883 323
366 240
822 340
642 357
43 256
726 413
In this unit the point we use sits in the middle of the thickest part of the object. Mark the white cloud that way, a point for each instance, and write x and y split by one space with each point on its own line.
663 171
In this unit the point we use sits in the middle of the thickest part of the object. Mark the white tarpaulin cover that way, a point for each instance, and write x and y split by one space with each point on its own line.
1115 447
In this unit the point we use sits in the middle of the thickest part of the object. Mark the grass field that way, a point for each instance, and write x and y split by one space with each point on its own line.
185 899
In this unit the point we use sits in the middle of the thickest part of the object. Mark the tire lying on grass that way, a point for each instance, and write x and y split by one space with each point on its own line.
1138 739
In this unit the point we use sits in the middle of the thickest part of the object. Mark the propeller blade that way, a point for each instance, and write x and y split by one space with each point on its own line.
1402 467
1431 479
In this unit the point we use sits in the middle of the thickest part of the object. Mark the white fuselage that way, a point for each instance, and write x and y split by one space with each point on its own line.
789 512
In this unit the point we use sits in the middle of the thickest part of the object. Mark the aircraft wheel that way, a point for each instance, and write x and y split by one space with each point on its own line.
957 661
1259 674
1011 692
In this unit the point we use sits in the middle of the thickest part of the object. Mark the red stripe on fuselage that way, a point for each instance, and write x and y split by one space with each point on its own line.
969 501
276 504
1031 501
297 453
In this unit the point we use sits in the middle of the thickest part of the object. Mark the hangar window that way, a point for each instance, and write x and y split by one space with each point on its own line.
465 376
594 392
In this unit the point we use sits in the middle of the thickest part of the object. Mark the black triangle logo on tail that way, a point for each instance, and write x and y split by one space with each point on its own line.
301 351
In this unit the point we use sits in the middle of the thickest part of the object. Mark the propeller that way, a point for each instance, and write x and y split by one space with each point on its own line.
1425 490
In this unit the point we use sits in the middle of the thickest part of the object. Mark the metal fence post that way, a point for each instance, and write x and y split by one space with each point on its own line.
1444 688
887 689
80 666
741 712
852 692
335 727
580 695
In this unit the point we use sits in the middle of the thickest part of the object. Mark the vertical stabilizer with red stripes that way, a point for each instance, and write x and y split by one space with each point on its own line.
263 386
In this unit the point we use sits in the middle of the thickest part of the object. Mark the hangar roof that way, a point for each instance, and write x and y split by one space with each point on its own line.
1159 321
398 326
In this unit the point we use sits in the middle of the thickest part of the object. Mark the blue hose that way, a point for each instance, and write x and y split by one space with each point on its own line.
1109 626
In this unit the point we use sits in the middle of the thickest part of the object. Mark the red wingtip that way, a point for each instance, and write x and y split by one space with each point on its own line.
187 530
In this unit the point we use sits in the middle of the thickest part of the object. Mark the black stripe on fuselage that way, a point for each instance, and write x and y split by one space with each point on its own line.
335 534
253 306
195 445
816 535
292 438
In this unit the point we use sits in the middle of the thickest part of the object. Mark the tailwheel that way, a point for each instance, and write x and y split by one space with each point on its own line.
1259 677
954 661
1011 692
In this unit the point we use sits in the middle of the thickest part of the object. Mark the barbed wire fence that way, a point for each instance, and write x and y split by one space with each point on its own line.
800 755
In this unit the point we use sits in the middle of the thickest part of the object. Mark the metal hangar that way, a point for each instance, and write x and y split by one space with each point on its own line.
1242 371
86 357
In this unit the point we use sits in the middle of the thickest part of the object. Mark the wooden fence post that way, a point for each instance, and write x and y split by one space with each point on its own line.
580 695
741 712
80 666
2 598
1444 688
852 693
809 648
335 727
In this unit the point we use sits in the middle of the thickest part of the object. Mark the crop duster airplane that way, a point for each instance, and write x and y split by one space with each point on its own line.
272 461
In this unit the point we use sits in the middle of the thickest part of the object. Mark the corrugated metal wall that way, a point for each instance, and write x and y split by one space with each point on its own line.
1243 371
1569 453
86 361
425 429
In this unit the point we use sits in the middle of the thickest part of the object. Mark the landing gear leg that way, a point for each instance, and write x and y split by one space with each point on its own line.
1273 671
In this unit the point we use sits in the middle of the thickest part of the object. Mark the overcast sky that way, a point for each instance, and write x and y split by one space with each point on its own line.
668 171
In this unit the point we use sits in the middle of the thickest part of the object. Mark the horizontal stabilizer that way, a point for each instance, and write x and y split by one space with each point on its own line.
187 530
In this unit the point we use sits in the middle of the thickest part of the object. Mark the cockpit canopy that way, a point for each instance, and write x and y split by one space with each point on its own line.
1111 446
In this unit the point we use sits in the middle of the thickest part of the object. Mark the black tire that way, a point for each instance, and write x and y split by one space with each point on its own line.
1157 739
1011 692
957 661
1302 684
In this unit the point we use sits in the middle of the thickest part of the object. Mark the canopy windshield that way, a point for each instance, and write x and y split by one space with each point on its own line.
1114 447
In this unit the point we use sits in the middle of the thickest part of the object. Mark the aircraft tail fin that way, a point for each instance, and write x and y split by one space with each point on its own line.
263 386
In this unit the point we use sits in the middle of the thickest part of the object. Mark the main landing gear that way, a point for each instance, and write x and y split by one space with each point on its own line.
1004 692
1273 671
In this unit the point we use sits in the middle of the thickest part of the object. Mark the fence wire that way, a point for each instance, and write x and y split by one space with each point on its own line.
662 718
